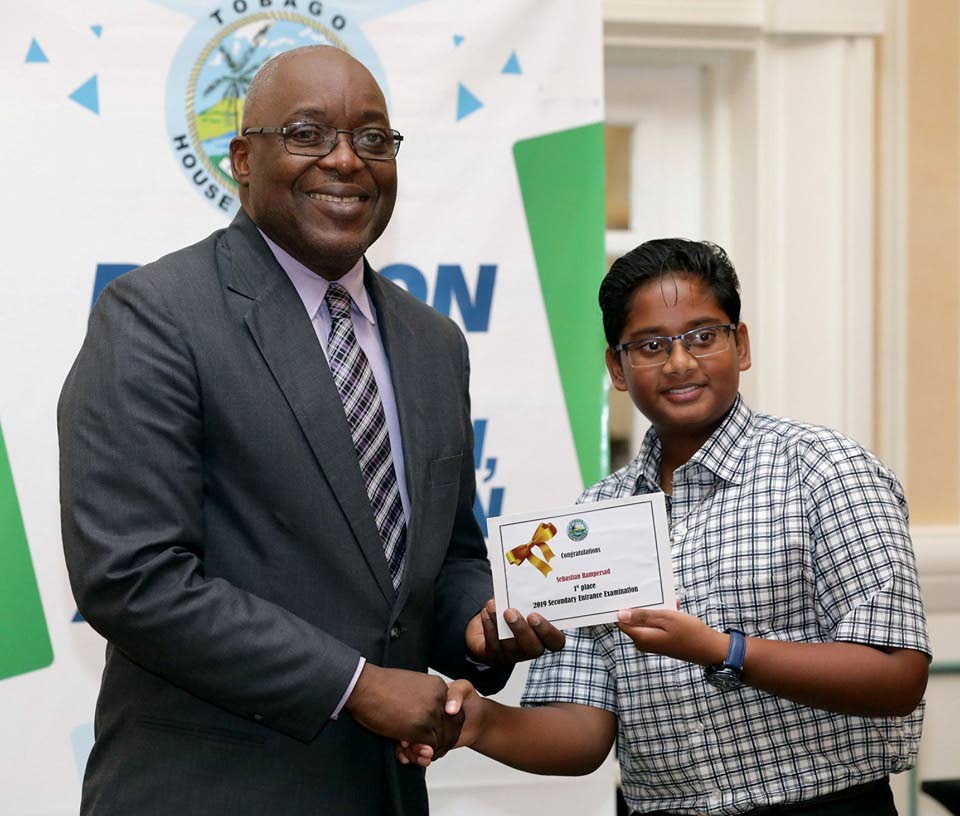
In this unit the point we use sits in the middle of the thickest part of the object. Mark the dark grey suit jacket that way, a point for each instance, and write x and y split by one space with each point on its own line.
218 534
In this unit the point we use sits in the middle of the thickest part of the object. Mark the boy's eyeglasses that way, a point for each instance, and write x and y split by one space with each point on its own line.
655 351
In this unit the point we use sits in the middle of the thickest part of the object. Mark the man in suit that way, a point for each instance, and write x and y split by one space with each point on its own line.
267 485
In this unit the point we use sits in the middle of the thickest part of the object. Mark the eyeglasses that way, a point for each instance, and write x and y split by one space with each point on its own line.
655 351
309 139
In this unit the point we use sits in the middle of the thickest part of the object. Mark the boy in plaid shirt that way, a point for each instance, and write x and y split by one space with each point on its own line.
790 678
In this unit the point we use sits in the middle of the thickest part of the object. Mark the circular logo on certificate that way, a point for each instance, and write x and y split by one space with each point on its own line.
577 530
212 72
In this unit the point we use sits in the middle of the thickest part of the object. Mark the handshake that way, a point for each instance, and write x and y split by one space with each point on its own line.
464 707
431 718
419 711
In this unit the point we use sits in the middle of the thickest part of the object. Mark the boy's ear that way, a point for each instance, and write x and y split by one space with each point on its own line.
615 368
743 346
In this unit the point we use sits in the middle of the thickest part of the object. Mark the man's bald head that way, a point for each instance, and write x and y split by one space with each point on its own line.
323 210
319 60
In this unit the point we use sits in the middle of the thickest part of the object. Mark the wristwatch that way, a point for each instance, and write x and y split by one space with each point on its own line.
729 675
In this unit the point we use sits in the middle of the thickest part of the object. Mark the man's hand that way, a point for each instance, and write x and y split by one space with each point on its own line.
405 705
674 634
461 697
531 637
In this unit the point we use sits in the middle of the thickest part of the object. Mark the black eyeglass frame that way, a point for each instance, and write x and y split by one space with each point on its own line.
283 131
669 340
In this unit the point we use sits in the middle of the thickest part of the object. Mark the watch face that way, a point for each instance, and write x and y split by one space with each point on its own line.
725 679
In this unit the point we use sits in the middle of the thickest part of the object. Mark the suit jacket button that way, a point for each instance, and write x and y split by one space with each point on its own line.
395 631
258 717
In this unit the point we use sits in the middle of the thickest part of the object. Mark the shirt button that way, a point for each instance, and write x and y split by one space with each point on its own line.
680 530
395 631
258 717
696 728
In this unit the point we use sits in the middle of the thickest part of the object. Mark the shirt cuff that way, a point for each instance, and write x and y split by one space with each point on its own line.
349 691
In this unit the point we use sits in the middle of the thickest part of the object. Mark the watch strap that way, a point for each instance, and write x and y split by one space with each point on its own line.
737 650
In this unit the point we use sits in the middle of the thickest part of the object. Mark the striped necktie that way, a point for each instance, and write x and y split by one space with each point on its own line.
368 426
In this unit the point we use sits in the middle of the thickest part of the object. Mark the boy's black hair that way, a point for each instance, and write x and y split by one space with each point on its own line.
656 259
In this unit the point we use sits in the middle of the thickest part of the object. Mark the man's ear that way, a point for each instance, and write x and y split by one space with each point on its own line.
615 368
240 160
743 346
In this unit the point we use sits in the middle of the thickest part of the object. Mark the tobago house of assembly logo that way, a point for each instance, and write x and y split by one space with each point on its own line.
214 66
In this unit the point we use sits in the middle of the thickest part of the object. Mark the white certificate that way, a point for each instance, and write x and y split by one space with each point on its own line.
579 565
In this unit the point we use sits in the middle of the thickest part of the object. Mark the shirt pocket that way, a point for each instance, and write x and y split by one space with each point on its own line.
763 576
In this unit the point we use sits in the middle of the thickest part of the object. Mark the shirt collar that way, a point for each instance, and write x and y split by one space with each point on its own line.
313 289
721 454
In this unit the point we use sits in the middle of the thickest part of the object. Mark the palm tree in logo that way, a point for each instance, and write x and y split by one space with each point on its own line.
236 81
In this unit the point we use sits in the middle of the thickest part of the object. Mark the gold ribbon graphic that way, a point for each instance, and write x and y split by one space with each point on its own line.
525 551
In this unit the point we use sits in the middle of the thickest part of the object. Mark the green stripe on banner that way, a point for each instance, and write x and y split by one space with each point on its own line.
562 184
24 640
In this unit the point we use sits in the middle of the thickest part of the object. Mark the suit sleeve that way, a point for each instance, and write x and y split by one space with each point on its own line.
464 584
131 491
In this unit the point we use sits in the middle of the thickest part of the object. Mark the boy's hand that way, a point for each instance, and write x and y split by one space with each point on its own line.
461 696
413 753
531 637
674 634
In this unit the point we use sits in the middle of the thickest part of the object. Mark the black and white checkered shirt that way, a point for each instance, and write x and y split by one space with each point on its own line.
785 531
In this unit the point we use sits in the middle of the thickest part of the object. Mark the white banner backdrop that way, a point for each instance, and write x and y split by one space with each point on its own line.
116 118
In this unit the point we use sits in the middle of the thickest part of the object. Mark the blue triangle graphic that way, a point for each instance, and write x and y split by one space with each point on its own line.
78 618
512 65
88 95
97 29
35 53
106 272
457 39
467 103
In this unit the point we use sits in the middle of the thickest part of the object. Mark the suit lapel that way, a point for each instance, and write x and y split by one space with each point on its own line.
402 344
285 336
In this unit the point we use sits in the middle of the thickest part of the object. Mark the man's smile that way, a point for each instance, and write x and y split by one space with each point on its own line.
338 192
341 199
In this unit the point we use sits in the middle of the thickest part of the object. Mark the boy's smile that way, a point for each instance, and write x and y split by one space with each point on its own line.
685 397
